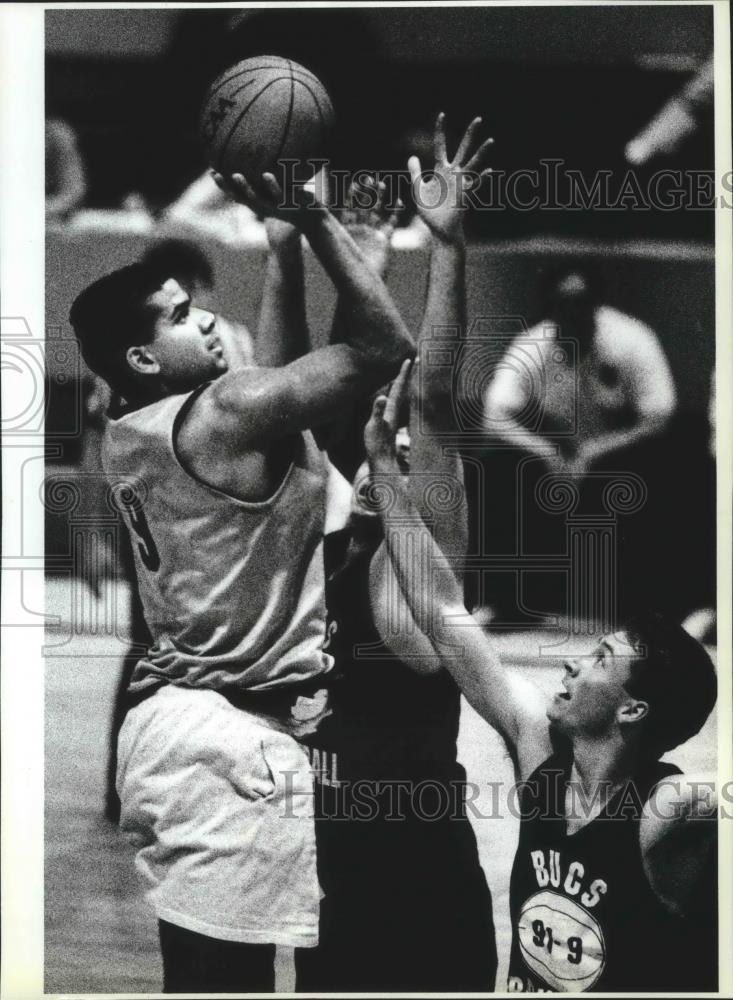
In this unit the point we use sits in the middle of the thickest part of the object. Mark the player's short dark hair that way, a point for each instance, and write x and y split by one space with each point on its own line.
181 260
555 274
552 276
675 676
110 316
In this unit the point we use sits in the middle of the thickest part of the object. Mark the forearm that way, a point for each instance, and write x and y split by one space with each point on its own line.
433 406
371 322
446 300
422 570
283 332
445 308
341 316
435 600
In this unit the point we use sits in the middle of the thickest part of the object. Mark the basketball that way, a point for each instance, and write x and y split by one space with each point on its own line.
264 110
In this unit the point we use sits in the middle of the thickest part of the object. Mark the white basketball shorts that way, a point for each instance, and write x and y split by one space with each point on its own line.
220 805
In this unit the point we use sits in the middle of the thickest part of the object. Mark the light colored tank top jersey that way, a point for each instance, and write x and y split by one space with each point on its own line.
233 592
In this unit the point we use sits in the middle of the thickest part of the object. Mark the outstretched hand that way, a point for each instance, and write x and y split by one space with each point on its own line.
440 194
381 428
370 221
266 197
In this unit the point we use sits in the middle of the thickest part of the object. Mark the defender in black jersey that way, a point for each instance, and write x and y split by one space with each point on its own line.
406 905
613 886
584 913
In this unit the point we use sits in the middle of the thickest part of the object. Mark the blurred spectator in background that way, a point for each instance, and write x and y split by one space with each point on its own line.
205 208
677 120
192 270
580 391
66 183
610 388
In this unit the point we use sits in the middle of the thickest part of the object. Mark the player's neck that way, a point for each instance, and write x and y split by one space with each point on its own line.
600 770
144 395
605 762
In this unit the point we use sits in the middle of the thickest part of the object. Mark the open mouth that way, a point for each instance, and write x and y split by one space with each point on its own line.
215 347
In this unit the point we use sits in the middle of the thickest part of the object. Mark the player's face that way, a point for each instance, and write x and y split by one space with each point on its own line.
593 690
185 342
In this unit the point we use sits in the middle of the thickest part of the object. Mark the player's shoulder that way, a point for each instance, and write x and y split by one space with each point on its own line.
677 804
677 839
678 795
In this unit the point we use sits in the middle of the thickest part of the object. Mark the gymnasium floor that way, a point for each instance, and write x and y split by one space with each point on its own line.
100 935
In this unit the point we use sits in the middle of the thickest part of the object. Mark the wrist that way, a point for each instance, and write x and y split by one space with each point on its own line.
287 246
383 469
451 241
312 218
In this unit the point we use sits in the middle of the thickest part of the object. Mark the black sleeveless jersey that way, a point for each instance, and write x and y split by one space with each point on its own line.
406 907
584 916
389 723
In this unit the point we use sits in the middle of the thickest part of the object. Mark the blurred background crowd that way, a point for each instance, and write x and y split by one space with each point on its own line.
612 89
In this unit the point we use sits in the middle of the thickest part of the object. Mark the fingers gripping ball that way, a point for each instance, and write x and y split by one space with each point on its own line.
264 110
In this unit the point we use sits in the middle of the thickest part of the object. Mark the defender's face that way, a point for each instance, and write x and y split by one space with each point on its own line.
185 342
593 689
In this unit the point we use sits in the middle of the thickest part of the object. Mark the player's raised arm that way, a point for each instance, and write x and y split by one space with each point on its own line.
439 196
263 405
436 468
435 598
370 222
282 333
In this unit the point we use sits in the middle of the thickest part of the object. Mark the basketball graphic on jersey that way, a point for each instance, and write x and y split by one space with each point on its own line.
561 941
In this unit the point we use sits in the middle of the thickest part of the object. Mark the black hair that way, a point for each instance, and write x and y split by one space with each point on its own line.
110 316
181 260
675 676
552 277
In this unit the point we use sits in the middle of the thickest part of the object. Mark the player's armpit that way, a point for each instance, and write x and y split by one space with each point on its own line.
533 742
678 840
507 701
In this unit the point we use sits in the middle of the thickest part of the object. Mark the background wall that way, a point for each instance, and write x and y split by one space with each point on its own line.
608 32
571 83
669 287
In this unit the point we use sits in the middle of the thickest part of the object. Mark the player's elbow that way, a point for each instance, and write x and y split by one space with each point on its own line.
379 365
388 340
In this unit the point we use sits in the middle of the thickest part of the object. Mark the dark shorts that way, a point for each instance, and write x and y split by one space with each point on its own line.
406 909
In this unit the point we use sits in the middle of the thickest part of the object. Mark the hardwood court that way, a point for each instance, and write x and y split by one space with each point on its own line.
101 936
